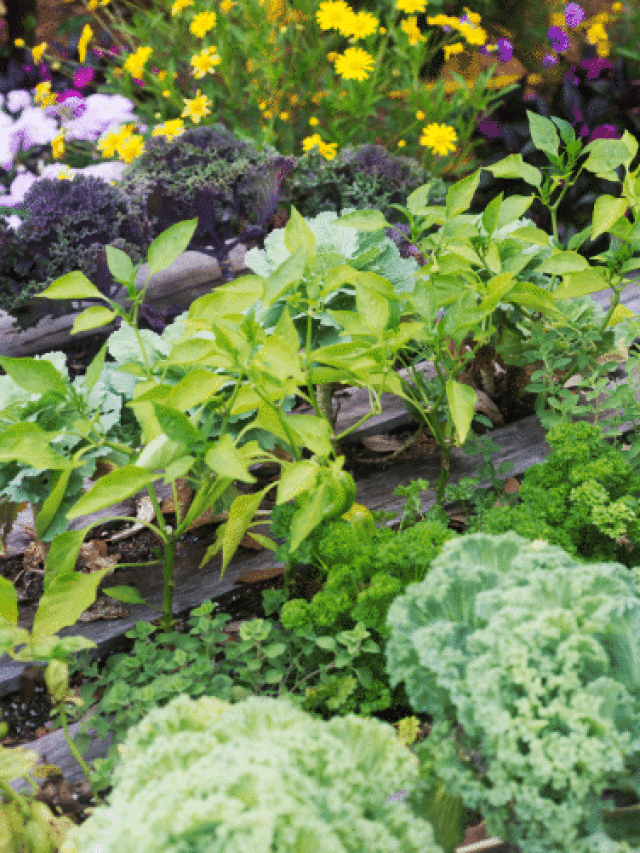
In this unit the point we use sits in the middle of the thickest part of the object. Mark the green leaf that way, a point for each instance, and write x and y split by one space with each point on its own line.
513 208
52 504
308 516
205 497
514 166
535 298
289 272
296 477
373 309
90 318
160 452
170 244
543 134
73 285
606 155
120 265
35 376
241 515
127 594
178 468
95 369
491 214
461 399
563 262
110 489
312 432
199 385
8 601
297 234
418 200
68 593
581 284
227 460
364 220
176 425
606 211
460 195
30 444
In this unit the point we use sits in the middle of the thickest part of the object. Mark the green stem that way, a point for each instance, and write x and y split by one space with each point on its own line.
72 747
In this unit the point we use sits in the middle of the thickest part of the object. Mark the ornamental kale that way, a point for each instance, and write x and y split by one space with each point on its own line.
259 775
583 497
528 661
67 225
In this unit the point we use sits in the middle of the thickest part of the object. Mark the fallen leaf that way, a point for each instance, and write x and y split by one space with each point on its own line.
257 575
511 486
381 443
93 555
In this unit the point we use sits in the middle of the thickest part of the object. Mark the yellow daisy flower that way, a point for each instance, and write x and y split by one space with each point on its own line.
354 64
439 137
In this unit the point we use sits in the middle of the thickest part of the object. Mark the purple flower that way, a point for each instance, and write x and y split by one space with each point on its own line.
505 50
559 39
593 67
489 128
573 14
137 81
604 131
584 130
398 797
548 60
83 77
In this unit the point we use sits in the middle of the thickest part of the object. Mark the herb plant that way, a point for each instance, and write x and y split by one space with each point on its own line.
326 673
364 575
527 661
583 497
261 774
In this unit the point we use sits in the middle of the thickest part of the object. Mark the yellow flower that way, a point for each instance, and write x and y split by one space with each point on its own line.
43 96
196 107
262 105
401 143
362 25
179 5
85 38
118 72
92 5
202 23
65 176
130 148
616 8
268 114
473 35
603 49
439 137
383 31
474 17
411 6
37 51
332 14
293 99
161 75
249 65
310 141
420 115
443 21
170 129
166 93
135 61
57 145
204 63
452 49
284 115
332 56
317 98
410 27
313 121
21 42
328 149
226 6
354 64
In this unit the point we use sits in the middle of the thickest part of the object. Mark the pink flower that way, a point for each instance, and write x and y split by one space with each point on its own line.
548 60
83 77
